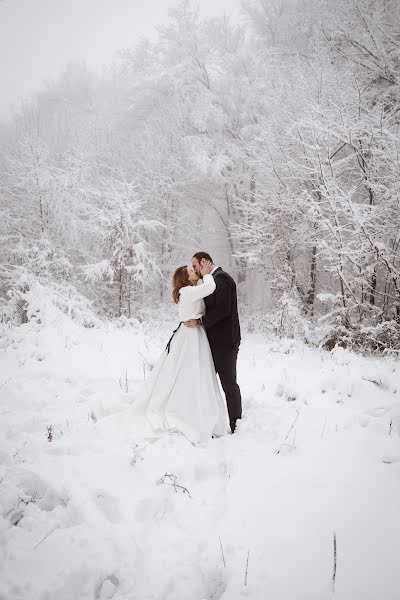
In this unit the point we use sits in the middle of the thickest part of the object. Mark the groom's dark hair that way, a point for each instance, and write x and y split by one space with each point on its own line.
200 255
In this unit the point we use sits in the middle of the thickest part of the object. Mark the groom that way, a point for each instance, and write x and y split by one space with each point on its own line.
221 322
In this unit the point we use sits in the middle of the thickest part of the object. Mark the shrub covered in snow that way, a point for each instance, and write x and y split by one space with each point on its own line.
382 338
287 320
41 286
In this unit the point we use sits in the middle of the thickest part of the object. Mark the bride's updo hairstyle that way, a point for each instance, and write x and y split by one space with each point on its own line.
179 280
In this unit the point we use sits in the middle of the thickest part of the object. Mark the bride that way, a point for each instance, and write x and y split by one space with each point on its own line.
182 392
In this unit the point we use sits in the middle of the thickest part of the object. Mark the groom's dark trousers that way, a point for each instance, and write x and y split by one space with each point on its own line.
223 331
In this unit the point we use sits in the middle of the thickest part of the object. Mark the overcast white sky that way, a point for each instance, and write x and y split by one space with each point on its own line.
38 37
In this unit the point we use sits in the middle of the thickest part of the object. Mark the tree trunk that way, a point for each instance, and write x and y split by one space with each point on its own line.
313 277
373 288
120 291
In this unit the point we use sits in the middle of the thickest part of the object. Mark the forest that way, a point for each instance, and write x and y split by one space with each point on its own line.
271 142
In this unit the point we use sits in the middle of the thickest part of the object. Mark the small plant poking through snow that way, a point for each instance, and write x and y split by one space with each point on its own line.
123 383
334 562
171 480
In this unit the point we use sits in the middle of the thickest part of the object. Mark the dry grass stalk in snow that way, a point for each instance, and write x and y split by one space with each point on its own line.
288 433
222 551
247 568
50 432
172 481
334 562
123 384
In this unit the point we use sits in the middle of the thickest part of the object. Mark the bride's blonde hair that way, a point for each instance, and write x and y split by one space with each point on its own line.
179 280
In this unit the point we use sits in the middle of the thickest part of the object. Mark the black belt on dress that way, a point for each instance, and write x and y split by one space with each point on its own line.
170 339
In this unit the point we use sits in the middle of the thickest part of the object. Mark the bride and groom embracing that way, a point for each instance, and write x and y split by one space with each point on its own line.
182 393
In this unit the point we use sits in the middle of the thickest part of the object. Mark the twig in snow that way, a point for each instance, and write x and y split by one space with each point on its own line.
323 429
247 568
28 499
18 451
18 514
124 384
390 427
145 364
171 480
222 551
334 562
288 433
52 530
378 383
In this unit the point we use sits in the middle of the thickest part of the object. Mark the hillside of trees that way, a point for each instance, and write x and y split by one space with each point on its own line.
272 142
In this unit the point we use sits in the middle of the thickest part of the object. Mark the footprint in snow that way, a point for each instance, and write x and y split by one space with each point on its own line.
107 588
379 411
108 506
144 510
87 391
363 420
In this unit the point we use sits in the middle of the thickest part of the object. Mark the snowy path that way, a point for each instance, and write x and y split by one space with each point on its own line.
91 515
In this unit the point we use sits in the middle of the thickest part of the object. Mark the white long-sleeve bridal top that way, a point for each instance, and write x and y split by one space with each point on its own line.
191 304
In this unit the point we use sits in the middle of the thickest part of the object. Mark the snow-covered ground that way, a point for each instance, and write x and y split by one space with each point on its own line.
102 511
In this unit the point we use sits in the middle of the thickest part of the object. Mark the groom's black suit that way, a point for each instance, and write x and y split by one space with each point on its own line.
223 331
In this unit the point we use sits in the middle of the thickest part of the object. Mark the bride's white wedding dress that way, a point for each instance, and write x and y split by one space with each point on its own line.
182 393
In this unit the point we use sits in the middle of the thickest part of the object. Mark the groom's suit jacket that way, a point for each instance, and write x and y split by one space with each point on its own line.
221 319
